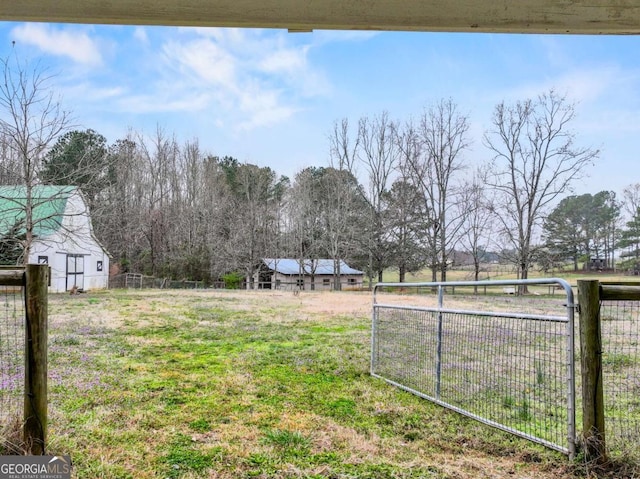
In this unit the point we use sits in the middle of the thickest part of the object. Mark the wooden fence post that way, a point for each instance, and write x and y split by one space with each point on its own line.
593 434
35 394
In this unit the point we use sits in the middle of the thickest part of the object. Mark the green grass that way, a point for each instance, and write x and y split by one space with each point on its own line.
617 361
226 385
288 442
183 457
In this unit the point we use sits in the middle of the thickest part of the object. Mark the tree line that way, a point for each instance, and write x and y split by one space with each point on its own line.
397 194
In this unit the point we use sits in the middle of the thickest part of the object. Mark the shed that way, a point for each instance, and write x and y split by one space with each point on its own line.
63 235
596 264
310 274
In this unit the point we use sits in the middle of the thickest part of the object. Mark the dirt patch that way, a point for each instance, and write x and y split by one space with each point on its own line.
359 304
111 310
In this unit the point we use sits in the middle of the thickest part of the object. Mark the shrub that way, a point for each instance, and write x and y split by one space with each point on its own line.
232 280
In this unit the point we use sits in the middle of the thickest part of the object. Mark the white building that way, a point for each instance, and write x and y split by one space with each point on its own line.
63 235
308 274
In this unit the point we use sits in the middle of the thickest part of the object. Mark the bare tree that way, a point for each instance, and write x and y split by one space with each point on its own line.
159 155
342 150
343 192
253 201
475 206
120 210
379 155
442 136
31 118
305 214
631 199
212 210
10 166
535 161
408 190
189 248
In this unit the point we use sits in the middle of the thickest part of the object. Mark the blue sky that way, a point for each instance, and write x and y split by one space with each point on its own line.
270 97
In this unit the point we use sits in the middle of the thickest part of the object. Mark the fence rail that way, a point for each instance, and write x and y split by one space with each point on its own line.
511 370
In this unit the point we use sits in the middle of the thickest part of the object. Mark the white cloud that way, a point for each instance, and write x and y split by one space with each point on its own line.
263 107
234 79
90 93
614 123
582 86
557 54
265 117
74 44
332 36
140 34
288 61
207 61
255 78
143 104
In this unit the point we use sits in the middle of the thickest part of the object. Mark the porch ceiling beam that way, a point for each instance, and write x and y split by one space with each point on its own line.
524 16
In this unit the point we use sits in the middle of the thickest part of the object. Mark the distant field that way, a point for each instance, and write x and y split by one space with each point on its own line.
176 384
503 272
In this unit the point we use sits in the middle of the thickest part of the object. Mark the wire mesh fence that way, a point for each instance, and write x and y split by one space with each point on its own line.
507 369
139 281
620 326
12 347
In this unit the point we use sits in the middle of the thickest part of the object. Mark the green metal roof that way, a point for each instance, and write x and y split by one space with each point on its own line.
48 202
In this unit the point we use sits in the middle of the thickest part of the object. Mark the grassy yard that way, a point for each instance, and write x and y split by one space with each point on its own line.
175 384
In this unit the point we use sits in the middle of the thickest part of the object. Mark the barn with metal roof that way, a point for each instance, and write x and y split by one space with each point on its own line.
62 235
306 274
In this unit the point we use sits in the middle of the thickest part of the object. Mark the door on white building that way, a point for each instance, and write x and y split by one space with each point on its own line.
75 271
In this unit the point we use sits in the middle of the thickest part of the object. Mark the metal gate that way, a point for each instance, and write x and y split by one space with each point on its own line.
508 368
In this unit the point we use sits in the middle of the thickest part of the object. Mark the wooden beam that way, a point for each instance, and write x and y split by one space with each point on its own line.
12 277
522 16
620 292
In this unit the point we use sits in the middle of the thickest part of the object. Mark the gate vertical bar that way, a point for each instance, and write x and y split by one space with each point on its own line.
439 341
36 335
374 331
571 373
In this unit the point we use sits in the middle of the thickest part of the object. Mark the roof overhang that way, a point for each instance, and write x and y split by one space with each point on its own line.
521 16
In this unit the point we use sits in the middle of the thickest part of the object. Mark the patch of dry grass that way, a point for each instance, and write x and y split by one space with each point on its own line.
11 440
